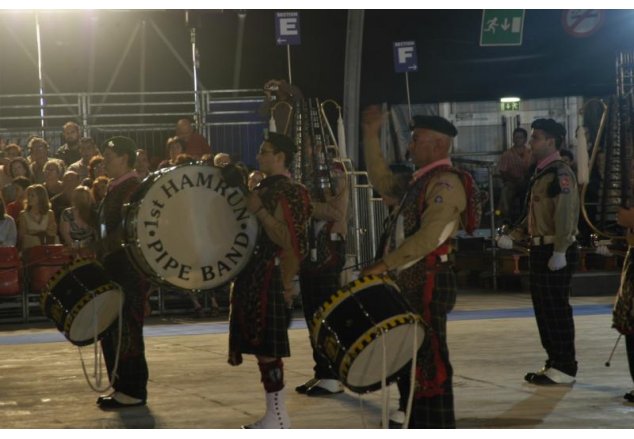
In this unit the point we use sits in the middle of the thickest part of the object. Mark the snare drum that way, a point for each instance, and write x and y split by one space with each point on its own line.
185 228
82 301
357 323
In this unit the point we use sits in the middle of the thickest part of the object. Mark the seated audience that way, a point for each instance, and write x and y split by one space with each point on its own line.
36 223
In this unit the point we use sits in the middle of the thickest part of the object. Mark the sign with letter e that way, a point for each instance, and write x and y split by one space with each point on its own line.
405 59
287 28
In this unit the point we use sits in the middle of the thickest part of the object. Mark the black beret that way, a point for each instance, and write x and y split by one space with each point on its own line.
555 129
434 123
120 145
280 141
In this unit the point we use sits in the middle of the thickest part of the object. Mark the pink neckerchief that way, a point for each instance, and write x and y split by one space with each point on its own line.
425 169
546 161
117 181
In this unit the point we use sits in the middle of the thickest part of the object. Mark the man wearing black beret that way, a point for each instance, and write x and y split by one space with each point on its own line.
258 324
551 226
417 255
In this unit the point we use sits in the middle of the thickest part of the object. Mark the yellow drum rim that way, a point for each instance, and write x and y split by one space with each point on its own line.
354 287
53 281
371 334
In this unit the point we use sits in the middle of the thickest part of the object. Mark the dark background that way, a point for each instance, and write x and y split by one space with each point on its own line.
452 65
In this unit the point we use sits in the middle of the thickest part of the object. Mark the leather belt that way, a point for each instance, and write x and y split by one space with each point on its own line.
542 240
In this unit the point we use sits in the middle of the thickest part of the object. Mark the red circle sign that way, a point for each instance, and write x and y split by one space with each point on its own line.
582 22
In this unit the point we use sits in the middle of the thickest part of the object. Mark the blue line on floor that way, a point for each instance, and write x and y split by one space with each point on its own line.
223 327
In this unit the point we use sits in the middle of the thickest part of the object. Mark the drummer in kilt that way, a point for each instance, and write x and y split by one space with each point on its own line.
261 293
129 378
416 253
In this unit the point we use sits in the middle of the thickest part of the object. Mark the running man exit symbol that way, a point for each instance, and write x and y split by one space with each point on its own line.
502 27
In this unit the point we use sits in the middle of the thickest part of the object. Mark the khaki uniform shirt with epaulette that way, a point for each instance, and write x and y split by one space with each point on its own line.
556 216
445 199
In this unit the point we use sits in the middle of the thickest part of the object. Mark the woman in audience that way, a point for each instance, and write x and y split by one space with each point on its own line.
8 232
98 189
19 167
52 182
96 168
174 148
36 223
77 227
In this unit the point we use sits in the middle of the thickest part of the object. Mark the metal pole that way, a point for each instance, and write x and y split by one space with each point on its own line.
237 66
288 57
409 102
492 216
195 65
142 68
39 70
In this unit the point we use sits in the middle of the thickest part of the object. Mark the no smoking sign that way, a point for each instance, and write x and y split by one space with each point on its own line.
582 22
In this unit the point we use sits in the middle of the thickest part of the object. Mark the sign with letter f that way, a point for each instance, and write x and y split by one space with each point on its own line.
405 58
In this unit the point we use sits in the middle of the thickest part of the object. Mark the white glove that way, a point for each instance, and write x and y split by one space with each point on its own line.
557 261
603 250
505 242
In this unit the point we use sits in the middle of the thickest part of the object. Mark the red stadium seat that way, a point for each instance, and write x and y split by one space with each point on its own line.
43 262
10 272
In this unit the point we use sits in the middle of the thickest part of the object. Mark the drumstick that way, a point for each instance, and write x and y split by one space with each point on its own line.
607 363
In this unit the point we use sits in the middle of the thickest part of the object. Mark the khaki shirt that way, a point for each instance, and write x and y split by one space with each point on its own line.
557 216
445 198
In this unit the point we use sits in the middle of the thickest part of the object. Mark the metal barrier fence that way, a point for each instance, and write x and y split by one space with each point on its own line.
229 119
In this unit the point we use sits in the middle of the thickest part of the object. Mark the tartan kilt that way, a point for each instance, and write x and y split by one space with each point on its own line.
433 403
623 312
550 294
271 339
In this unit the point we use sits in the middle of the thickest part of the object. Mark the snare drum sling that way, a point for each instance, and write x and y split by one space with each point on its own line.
132 373
258 323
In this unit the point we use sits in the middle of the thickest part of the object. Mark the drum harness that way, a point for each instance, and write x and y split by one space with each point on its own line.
98 370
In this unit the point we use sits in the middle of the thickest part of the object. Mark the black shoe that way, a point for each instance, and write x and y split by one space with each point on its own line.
549 376
307 385
629 396
101 397
109 403
539 379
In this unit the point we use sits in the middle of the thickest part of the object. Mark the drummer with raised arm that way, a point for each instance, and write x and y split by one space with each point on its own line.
129 378
417 254
258 323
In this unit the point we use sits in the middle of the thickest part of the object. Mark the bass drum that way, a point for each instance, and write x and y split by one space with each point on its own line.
82 301
363 324
185 228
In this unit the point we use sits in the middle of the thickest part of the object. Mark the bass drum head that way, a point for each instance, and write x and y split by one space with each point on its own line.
397 346
189 230
95 316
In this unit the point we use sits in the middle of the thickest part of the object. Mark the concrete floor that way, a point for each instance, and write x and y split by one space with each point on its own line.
493 342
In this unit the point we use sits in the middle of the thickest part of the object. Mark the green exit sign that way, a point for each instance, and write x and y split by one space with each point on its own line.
502 27
510 106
